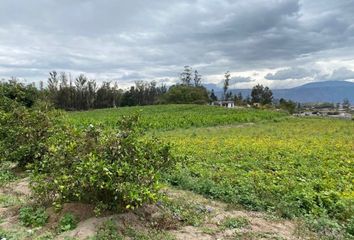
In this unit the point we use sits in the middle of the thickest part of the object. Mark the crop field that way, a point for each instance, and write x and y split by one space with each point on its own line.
167 117
240 174
295 167
265 161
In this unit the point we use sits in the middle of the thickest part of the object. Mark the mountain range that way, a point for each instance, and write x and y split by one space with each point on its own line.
324 91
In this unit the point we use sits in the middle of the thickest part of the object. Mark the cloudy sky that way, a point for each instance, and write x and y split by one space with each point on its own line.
279 43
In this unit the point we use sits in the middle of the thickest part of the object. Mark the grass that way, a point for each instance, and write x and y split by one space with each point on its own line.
109 231
295 168
67 222
33 216
235 222
185 211
7 200
255 235
6 173
167 117
135 234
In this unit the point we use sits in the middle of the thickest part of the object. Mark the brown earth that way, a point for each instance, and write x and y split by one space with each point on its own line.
261 225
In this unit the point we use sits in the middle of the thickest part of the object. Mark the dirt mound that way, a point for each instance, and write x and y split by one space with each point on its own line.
19 187
184 215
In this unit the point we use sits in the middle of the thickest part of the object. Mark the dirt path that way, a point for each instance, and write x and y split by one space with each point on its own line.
182 215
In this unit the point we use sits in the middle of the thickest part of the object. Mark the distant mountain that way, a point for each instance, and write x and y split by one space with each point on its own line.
214 86
326 91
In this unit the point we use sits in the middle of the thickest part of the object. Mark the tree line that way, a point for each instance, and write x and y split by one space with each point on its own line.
82 93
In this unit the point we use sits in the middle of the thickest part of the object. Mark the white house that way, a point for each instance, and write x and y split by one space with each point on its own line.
228 104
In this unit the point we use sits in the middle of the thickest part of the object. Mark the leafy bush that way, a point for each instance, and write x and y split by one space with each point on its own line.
108 231
67 223
110 169
14 91
23 132
350 227
25 123
325 227
6 175
33 217
186 94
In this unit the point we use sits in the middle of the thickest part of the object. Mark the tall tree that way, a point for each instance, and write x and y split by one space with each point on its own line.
186 76
197 79
81 92
227 77
53 81
213 97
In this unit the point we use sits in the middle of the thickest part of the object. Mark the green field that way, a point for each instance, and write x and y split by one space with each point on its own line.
257 159
297 173
167 117
294 167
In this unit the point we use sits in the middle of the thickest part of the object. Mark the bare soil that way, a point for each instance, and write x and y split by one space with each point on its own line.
260 225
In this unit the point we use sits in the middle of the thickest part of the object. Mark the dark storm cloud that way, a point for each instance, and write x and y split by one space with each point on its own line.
139 39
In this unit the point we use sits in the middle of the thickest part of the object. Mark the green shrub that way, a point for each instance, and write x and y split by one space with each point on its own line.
350 227
67 223
235 222
325 227
108 231
45 236
33 217
185 94
13 91
23 132
6 175
113 169
187 212
25 123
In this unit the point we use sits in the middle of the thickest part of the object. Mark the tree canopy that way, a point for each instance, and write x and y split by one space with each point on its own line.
261 94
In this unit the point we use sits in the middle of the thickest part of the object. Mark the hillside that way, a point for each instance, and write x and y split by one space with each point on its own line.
326 91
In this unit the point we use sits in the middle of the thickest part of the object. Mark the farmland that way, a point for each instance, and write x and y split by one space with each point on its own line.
167 117
293 167
256 167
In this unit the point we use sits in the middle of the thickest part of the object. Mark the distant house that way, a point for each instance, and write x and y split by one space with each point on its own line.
228 104
257 105
341 115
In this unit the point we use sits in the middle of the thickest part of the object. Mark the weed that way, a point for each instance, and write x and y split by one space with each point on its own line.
6 175
325 227
45 236
256 235
67 223
10 200
235 222
210 231
150 235
108 231
187 212
33 216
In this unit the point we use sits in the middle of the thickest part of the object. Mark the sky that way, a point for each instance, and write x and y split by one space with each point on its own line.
278 43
